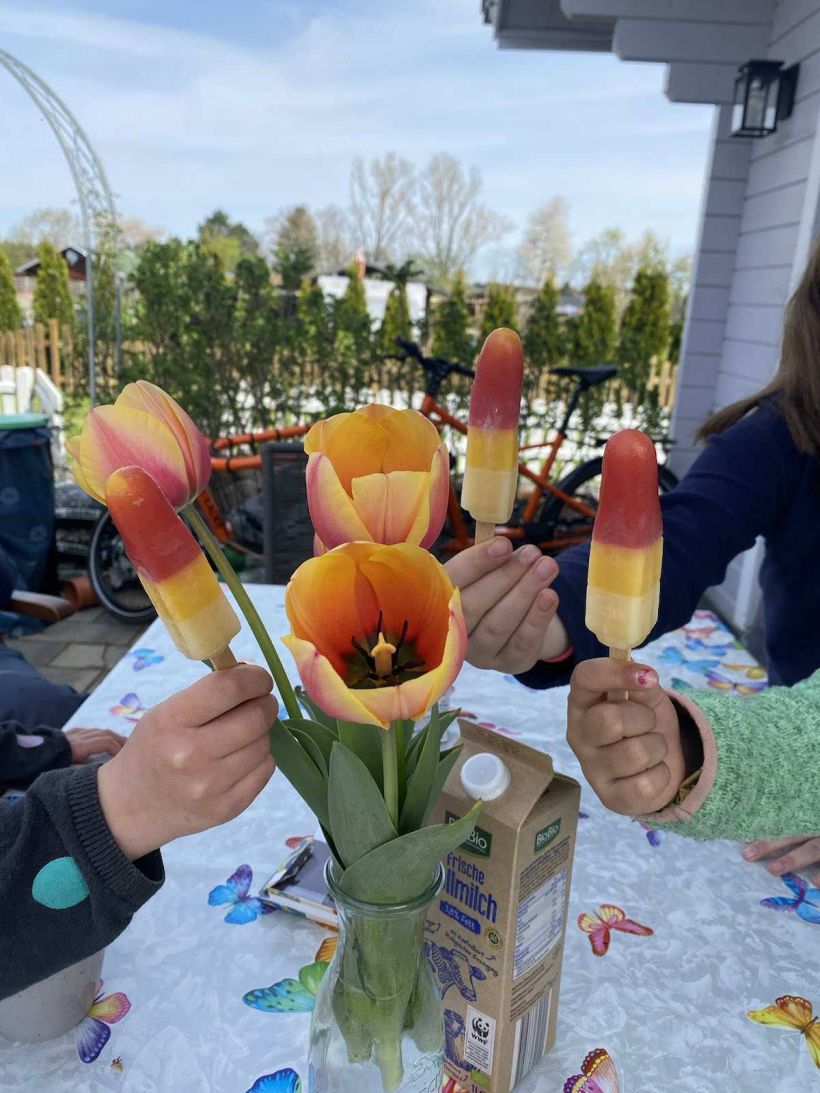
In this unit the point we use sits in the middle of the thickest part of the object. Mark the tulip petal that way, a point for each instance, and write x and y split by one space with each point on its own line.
193 445
325 686
439 495
393 507
334 518
329 602
115 437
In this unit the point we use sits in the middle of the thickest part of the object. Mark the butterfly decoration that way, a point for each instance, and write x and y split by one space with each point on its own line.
117 1064
598 1075
806 902
653 837
609 917
696 633
93 1032
283 1081
583 815
244 908
144 658
672 655
289 995
696 645
722 682
795 1013
296 842
751 671
129 706
327 950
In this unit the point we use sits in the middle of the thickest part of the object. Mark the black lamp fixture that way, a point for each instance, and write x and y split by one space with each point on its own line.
764 95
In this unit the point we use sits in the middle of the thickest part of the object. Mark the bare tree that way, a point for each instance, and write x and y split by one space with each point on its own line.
382 205
335 237
611 259
546 249
135 233
60 227
451 224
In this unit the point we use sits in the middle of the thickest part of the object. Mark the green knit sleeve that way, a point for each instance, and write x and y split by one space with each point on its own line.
767 774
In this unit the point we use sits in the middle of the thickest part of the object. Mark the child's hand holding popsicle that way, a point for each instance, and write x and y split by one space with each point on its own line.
631 752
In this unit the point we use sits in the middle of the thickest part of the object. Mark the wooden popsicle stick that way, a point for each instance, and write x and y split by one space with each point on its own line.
484 530
619 654
225 659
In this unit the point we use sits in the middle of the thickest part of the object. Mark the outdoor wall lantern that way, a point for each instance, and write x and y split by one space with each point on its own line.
764 95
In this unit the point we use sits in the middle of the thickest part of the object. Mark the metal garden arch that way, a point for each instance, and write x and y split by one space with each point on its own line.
93 192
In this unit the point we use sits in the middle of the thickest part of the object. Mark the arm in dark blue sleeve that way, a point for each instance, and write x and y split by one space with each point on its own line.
735 491
66 888
8 578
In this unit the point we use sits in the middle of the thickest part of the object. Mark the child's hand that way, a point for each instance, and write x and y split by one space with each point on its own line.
87 742
507 603
630 752
193 762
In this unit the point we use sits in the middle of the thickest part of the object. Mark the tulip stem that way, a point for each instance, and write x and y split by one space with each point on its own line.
390 770
245 604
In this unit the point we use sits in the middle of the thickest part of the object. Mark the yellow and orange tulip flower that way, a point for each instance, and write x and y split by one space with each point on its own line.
143 428
377 631
377 475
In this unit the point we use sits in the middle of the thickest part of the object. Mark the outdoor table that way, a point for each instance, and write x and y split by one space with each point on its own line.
670 1008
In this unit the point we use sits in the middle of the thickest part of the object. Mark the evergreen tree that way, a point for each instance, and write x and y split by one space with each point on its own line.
353 342
295 247
544 339
595 330
501 310
10 316
396 321
451 338
256 332
644 327
52 297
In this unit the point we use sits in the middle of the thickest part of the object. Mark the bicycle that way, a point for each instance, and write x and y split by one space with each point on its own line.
555 515
231 504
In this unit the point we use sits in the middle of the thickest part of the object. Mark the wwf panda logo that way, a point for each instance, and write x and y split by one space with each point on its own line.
481 1029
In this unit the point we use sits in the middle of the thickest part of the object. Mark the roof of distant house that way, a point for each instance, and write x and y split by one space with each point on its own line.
74 259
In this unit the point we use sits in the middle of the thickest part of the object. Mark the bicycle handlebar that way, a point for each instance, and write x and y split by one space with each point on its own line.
436 367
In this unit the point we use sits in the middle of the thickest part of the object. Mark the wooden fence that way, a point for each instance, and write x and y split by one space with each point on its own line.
46 347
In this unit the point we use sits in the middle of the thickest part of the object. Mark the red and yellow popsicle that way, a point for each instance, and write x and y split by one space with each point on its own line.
491 474
172 568
623 584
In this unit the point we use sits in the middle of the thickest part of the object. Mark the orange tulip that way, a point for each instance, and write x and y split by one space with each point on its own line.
377 475
377 631
144 428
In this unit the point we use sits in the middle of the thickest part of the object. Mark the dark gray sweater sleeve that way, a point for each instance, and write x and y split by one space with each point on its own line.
25 753
66 888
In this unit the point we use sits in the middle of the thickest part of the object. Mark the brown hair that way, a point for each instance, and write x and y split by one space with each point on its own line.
796 384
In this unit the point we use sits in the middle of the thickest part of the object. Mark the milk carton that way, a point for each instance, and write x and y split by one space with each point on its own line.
495 935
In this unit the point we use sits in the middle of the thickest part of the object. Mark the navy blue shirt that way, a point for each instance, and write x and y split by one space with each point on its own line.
750 480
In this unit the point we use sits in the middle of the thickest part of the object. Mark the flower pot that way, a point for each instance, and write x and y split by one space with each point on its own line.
53 1006
377 1025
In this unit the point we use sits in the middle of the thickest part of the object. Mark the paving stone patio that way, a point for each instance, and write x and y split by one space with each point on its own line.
79 650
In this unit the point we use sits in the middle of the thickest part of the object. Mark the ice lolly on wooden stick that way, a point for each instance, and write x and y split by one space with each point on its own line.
172 568
623 583
491 474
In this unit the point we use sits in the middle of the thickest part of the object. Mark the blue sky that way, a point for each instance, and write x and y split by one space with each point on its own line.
263 103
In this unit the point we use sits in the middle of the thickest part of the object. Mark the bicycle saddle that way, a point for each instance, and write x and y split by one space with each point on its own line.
588 377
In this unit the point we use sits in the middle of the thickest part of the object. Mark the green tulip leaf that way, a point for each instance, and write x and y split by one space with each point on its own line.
366 742
300 770
446 764
359 818
311 975
317 731
400 870
311 747
420 784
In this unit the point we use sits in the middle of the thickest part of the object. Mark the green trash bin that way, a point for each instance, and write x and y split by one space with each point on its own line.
26 495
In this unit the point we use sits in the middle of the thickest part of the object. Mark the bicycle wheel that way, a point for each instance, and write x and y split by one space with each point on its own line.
113 578
561 525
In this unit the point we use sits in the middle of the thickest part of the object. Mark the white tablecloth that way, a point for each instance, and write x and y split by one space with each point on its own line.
669 1008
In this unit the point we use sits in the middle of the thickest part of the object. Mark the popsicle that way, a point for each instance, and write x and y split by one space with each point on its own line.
172 568
623 582
491 474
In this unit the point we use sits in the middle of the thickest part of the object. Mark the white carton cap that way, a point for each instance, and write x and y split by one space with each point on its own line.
484 777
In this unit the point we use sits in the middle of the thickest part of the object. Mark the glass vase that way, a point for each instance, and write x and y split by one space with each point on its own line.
377 1024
